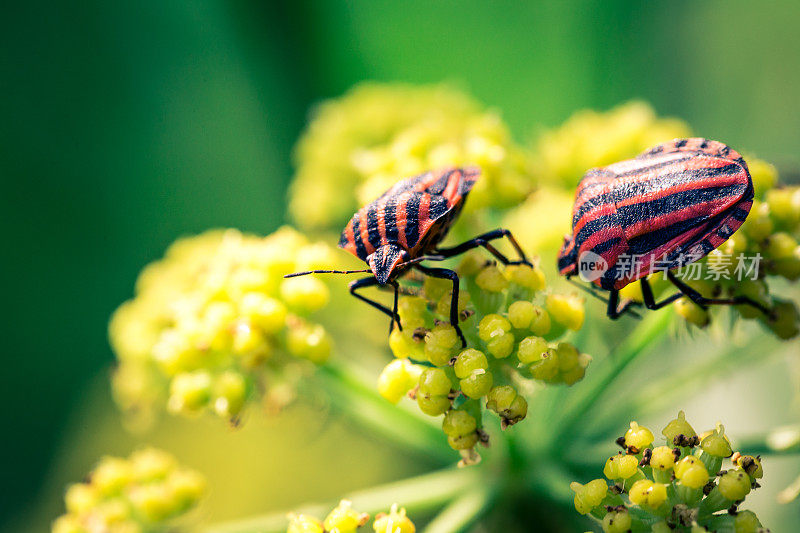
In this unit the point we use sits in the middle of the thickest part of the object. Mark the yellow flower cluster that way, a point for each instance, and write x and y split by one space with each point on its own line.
344 519
214 321
677 486
360 144
144 493
513 327
591 139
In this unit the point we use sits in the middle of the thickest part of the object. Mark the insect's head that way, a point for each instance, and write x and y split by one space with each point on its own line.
568 257
385 261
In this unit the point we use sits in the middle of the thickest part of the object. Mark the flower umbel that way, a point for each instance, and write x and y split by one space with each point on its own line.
514 329
144 493
214 326
366 139
677 486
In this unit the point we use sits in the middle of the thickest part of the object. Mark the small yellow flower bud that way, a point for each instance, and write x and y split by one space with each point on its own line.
589 496
68 524
399 377
394 522
404 346
152 501
186 487
80 498
662 458
638 436
111 475
189 392
645 493
529 277
691 312
305 293
151 464
443 305
621 466
678 426
566 310
304 524
412 311
309 341
267 313
344 519
691 472
230 394
435 288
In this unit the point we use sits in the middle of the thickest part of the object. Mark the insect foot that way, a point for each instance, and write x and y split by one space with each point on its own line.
513 328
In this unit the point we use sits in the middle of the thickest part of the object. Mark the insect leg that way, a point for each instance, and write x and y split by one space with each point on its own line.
650 300
445 273
702 301
614 311
483 240
394 308
369 282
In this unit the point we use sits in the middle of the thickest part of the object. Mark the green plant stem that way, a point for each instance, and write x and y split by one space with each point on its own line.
418 494
360 401
652 329
462 512
661 394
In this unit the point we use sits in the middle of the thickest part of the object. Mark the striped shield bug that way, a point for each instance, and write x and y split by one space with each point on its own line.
662 210
404 227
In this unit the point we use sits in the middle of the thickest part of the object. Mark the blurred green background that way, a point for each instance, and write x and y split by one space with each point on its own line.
128 124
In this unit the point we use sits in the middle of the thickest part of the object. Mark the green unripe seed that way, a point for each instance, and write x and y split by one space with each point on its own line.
492 326
501 346
734 484
468 361
531 349
491 279
617 522
540 323
747 522
521 313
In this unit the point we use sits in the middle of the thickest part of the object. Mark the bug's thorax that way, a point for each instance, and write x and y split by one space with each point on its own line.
385 262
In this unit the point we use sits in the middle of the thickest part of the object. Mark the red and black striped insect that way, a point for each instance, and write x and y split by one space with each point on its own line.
404 227
668 207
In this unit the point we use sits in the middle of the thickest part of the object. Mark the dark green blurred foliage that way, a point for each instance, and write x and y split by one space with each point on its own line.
125 125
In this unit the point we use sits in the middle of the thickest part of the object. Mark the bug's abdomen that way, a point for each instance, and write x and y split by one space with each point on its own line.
677 200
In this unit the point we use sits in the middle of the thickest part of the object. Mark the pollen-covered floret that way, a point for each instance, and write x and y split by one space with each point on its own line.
677 484
214 321
145 492
358 145
513 327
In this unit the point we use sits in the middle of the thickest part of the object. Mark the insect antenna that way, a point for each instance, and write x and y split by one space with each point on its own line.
325 272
